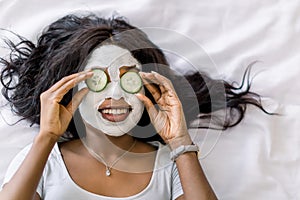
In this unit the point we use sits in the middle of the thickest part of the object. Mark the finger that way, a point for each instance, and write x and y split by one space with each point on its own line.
76 100
157 118
63 81
150 78
149 106
155 92
160 122
164 84
60 92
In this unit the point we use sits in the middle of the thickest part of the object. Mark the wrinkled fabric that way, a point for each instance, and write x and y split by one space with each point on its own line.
259 158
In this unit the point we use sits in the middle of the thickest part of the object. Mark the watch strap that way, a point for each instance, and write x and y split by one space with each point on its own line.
183 149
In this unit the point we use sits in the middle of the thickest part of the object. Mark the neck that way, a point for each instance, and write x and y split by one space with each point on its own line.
108 147
112 148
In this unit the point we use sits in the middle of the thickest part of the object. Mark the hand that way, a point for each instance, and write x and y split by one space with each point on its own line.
55 117
168 120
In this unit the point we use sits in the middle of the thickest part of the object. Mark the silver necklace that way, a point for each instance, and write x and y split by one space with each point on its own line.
108 168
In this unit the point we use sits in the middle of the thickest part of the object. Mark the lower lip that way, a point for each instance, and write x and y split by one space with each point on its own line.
115 118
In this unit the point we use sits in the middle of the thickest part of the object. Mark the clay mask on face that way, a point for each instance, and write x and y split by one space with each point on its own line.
126 114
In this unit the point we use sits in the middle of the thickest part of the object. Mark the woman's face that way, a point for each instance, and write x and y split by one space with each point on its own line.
112 110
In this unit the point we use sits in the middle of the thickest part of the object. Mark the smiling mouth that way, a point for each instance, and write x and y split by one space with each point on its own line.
115 114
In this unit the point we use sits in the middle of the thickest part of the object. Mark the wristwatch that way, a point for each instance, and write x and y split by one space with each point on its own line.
183 149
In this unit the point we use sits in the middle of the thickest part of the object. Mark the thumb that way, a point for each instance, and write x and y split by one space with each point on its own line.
76 100
149 106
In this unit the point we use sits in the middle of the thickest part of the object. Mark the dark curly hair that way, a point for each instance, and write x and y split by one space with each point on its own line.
63 48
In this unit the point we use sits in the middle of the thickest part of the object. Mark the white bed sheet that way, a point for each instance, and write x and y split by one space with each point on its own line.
258 159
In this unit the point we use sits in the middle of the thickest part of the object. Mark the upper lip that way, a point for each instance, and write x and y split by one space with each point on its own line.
114 104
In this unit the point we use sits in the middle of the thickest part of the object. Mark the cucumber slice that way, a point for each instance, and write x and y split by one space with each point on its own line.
131 82
98 81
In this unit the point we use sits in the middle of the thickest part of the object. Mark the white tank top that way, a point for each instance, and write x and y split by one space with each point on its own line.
57 184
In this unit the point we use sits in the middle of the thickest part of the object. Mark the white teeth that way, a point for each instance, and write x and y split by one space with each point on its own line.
115 111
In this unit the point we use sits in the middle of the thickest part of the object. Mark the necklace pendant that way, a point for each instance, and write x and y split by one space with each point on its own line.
107 173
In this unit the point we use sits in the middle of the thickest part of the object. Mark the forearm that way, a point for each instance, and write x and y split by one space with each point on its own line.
25 181
194 183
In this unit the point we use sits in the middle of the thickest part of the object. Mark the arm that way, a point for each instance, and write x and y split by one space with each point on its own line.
24 183
170 123
54 122
192 177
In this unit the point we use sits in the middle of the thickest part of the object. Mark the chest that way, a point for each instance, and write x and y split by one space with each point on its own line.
90 175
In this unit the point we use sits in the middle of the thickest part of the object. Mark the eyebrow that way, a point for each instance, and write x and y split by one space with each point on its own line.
130 67
100 67
123 67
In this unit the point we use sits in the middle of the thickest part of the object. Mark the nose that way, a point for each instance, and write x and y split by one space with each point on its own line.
116 91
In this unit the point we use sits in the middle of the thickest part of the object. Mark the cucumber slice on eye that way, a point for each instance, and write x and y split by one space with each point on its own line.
131 82
98 81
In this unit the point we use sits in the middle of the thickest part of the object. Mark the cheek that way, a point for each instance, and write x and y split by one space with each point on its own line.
92 100
133 100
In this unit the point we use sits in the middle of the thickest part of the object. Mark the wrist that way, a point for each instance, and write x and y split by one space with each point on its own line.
184 149
180 141
46 137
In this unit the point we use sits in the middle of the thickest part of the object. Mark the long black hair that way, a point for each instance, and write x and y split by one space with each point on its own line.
64 46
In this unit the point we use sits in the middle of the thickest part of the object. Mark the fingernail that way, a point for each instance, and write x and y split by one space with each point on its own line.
85 90
142 73
138 95
90 73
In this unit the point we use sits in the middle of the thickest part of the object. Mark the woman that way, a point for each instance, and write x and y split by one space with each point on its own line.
103 155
